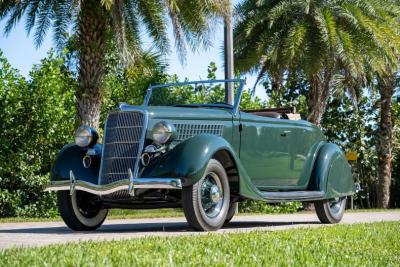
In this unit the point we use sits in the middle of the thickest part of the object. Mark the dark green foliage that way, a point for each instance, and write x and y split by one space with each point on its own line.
374 244
201 93
36 119
254 206
353 128
292 93
395 187
129 85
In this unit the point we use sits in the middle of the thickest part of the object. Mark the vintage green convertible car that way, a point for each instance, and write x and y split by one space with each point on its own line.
193 150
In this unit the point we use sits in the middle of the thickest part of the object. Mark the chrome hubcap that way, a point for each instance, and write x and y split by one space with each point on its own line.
335 205
211 195
214 194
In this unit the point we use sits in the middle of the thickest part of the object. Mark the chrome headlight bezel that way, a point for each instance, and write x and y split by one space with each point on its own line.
85 136
163 132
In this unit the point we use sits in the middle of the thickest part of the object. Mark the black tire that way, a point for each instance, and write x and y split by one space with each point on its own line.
231 212
78 212
330 211
203 210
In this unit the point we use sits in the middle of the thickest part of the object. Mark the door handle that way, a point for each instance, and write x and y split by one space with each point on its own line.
284 133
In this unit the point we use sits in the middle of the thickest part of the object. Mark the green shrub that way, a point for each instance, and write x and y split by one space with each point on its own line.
36 120
254 206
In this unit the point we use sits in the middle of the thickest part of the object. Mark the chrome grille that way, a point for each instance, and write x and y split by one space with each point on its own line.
121 144
187 130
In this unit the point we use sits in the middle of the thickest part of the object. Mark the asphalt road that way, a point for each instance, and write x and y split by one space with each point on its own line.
44 233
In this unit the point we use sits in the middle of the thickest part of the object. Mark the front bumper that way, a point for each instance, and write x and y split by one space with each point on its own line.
126 184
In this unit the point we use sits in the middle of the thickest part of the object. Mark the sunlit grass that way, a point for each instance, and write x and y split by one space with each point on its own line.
375 244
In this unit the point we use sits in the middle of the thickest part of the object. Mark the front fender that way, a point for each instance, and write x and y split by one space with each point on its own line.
70 159
188 160
332 173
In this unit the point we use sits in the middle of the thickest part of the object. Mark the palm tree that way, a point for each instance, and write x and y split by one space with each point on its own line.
386 86
322 38
353 39
94 20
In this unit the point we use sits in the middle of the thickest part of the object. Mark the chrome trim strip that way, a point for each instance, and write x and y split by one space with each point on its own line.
72 183
149 183
141 144
272 196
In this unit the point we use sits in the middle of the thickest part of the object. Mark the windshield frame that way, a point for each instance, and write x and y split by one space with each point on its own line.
235 107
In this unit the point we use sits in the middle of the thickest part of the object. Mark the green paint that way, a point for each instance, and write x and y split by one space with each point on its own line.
269 154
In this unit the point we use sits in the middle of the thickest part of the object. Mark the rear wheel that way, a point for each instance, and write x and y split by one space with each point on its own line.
206 203
80 211
330 210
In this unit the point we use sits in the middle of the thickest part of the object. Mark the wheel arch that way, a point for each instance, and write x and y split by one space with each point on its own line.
227 160
182 162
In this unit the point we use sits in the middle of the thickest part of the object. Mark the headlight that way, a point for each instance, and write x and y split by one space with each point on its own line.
86 136
163 132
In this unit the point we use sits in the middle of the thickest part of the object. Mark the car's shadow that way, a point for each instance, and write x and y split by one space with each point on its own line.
170 227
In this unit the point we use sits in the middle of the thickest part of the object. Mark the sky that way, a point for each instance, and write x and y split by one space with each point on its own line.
20 51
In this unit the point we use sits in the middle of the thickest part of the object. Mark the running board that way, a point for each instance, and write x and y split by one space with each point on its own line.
281 196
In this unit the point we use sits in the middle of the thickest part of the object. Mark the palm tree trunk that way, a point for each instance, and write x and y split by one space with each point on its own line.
318 96
384 143
92 37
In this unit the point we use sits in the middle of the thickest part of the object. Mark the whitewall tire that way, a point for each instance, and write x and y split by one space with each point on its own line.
206 203
79 212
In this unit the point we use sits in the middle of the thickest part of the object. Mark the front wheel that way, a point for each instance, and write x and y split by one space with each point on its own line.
206 203
231 212
330 211
80 211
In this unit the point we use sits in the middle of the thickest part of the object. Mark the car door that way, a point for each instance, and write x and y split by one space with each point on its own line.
303 146
277 153
266 153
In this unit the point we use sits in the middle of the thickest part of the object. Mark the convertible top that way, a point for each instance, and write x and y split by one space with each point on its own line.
277 113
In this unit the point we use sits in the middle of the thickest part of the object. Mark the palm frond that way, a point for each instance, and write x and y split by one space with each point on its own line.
15 13
153 17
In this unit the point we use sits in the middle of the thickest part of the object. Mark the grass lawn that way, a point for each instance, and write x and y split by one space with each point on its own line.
375 244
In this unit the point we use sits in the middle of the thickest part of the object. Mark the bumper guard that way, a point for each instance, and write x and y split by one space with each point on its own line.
130 184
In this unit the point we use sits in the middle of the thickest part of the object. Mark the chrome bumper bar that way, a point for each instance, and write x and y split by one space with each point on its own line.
126 184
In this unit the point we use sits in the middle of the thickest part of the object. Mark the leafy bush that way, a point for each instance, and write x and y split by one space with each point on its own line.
36 119
254 206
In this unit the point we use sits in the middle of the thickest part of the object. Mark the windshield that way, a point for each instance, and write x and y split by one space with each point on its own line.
193 94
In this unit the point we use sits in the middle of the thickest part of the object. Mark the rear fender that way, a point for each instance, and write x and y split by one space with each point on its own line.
332 173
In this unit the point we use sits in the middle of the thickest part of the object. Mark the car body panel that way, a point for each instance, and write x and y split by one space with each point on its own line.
332 173
70 158
182 162
278 153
